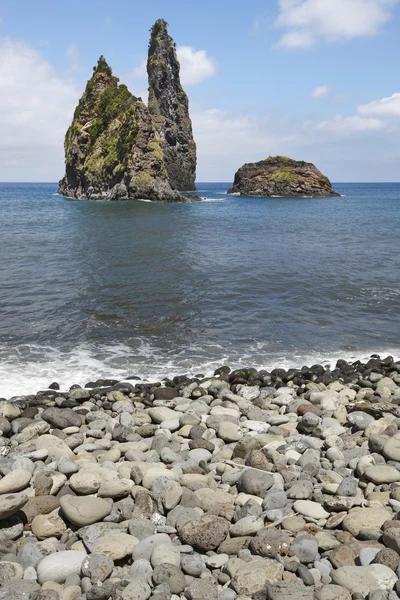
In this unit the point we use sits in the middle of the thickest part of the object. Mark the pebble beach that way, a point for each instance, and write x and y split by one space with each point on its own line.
243 485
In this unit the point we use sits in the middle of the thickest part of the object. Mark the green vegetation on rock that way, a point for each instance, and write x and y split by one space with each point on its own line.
284 174
116 147
112 148
280 159
281 176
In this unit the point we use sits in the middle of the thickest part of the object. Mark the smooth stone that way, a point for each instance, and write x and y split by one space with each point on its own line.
305 548
380 474
15 481
347 487
55 446
229 432
246 526
67 466
57 567
165 553
145 548
192 564
86 481
367 555
155 472
50 525
83 511
61 417
255 482
159 414
308 508
116 545
365 579
359 519
392 448
217 561
11 503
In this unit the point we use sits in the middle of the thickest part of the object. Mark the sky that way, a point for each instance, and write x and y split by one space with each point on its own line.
316 80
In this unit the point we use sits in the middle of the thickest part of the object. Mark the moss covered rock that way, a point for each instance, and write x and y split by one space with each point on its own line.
112 148
281 176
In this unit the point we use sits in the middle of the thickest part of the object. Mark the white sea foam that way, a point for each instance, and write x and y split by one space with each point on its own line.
143 200
27 369
205 199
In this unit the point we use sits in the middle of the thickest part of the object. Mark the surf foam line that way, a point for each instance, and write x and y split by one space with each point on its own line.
27 369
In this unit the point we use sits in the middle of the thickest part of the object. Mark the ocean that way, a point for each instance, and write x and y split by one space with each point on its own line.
92 289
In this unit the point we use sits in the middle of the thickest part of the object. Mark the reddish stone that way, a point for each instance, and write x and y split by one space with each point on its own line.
306 408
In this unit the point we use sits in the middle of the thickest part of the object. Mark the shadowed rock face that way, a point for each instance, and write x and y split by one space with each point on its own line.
168 104
281 176
112 148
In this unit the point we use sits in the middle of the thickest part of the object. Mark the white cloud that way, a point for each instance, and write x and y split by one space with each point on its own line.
386 107
311 21
296 39
320 91
73 58
36 107
140 72
196 66
350 125
227 140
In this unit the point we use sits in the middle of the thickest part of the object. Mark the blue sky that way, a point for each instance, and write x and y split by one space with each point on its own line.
312 79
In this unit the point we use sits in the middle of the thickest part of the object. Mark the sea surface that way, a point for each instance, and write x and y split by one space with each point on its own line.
93 289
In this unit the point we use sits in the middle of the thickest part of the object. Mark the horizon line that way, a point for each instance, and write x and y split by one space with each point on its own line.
196 182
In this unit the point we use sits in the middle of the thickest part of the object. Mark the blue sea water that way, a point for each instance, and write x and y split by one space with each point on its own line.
92 288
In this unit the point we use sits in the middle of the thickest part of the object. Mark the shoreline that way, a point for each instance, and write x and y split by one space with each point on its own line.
245 484
327 371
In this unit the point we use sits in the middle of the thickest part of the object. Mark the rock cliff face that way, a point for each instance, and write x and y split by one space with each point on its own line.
168 104
281 176
112 148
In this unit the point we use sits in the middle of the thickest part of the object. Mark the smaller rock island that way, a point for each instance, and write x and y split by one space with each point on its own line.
281 176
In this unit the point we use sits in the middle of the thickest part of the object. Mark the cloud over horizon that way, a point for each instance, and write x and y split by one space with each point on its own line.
385 107
310 22
36 107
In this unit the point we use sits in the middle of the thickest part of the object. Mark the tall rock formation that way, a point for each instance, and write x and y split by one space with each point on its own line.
112 148
281 176
169 106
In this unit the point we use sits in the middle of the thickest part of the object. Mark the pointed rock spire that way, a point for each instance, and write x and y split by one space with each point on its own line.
169 106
